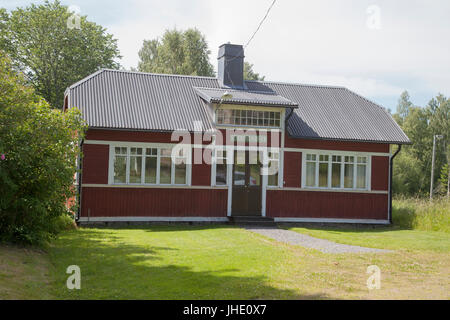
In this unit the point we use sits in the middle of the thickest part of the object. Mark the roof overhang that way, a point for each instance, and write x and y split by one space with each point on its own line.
244 97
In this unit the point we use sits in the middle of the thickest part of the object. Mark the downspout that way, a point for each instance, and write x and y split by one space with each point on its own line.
80 176
391 162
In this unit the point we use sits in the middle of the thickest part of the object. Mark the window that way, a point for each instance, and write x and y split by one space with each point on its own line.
361 172
348 172
138 165
310 170
221 167
323 171
151 165
120 165
165 170
336 165
135 165
248 117
272 178
332 171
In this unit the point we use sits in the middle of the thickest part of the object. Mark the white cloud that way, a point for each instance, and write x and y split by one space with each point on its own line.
324 42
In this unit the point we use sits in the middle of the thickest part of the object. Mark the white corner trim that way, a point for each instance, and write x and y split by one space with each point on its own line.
332 220
155 219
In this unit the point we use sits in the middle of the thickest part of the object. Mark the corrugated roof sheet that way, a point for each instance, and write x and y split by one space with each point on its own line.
246 97
144 101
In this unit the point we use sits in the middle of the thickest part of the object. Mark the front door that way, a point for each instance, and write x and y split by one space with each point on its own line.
247 181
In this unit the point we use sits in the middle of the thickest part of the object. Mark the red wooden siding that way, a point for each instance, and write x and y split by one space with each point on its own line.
335 145
201 173
154 202
380 173
310 204
95 163
292 169
135 136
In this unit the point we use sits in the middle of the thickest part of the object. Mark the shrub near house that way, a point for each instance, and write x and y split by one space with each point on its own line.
40 148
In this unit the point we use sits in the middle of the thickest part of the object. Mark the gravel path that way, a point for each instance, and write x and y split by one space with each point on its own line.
292 237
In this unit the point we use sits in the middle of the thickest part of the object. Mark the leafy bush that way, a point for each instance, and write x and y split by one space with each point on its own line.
38 152
422 214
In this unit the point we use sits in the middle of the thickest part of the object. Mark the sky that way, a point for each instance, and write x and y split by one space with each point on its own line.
375 48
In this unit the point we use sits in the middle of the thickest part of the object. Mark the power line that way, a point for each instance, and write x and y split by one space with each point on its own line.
257 29
253 35
260 24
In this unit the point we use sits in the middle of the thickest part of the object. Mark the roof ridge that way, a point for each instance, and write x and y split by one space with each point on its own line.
241 90
160 74
299 84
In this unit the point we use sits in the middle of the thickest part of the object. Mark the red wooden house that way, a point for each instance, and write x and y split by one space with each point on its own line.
188 148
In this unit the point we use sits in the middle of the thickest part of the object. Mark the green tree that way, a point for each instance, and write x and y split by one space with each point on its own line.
38 152
413 166
249 74
178 52
439 110
403 106
53 53
444 179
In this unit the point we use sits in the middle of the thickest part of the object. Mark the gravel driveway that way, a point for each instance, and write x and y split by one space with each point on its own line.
292 237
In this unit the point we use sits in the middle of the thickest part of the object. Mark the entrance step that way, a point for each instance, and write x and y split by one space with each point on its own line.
252 221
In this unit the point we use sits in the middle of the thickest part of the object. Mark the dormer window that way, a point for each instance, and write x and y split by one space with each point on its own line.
254 118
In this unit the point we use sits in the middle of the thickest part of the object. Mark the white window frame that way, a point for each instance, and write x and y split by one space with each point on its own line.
229 162
330 155
145 146
278 159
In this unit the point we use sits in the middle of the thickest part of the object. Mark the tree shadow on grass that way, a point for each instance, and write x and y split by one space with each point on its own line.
111 268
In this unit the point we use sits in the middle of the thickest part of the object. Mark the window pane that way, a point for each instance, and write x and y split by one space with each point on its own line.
348 176
166 152
361 176
272 180
151 151
362 159
310 174
120 150
120 169
180 173
136 151
221 174
150 169
255 175
239 168
135 169
165 170
323 175
336 175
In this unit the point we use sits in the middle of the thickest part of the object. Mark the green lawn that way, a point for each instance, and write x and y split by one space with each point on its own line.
223 262
383 237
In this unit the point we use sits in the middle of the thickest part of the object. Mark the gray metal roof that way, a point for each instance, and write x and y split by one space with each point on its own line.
144 101
245 97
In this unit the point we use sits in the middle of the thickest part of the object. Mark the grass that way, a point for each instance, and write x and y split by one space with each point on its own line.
422 214
418 225
223 262
24 273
